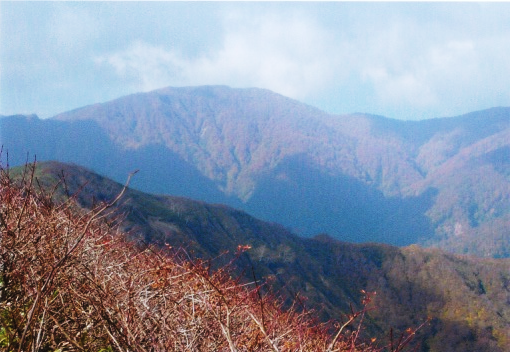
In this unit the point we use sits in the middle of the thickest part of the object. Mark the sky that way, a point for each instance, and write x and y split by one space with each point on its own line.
402 60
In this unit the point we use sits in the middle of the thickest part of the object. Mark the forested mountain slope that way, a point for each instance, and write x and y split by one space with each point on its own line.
467 298
442 182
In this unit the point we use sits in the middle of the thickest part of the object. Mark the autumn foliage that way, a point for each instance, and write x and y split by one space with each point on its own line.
70 281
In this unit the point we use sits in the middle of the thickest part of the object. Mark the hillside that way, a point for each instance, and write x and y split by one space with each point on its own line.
70 281
442 182
466 297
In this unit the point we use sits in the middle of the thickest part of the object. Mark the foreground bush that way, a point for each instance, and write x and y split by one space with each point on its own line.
69 281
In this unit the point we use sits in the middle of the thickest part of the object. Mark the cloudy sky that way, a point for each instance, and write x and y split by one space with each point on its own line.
400 60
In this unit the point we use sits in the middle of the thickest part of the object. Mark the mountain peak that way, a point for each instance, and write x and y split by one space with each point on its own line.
357 177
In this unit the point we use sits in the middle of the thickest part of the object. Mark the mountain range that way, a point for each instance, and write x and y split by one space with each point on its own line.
441 182
466 298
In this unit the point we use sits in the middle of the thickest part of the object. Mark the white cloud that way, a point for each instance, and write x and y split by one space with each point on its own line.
421 64
403 87
424 76
291 55
384 58
404 62
71 28
452 55
148 67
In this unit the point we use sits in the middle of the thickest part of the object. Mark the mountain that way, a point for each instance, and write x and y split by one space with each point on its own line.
467 298
442 182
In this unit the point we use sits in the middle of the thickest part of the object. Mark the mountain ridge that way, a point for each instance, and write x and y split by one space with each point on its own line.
243 146
465 296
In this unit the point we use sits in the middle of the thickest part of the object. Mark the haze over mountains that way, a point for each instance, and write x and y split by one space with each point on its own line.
443 182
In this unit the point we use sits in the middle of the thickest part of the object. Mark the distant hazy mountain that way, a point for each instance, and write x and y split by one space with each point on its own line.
466 297
442 182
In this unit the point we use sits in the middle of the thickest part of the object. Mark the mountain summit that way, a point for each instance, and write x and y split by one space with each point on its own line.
442 182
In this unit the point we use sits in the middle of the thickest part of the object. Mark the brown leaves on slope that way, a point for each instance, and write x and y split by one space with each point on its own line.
69 281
